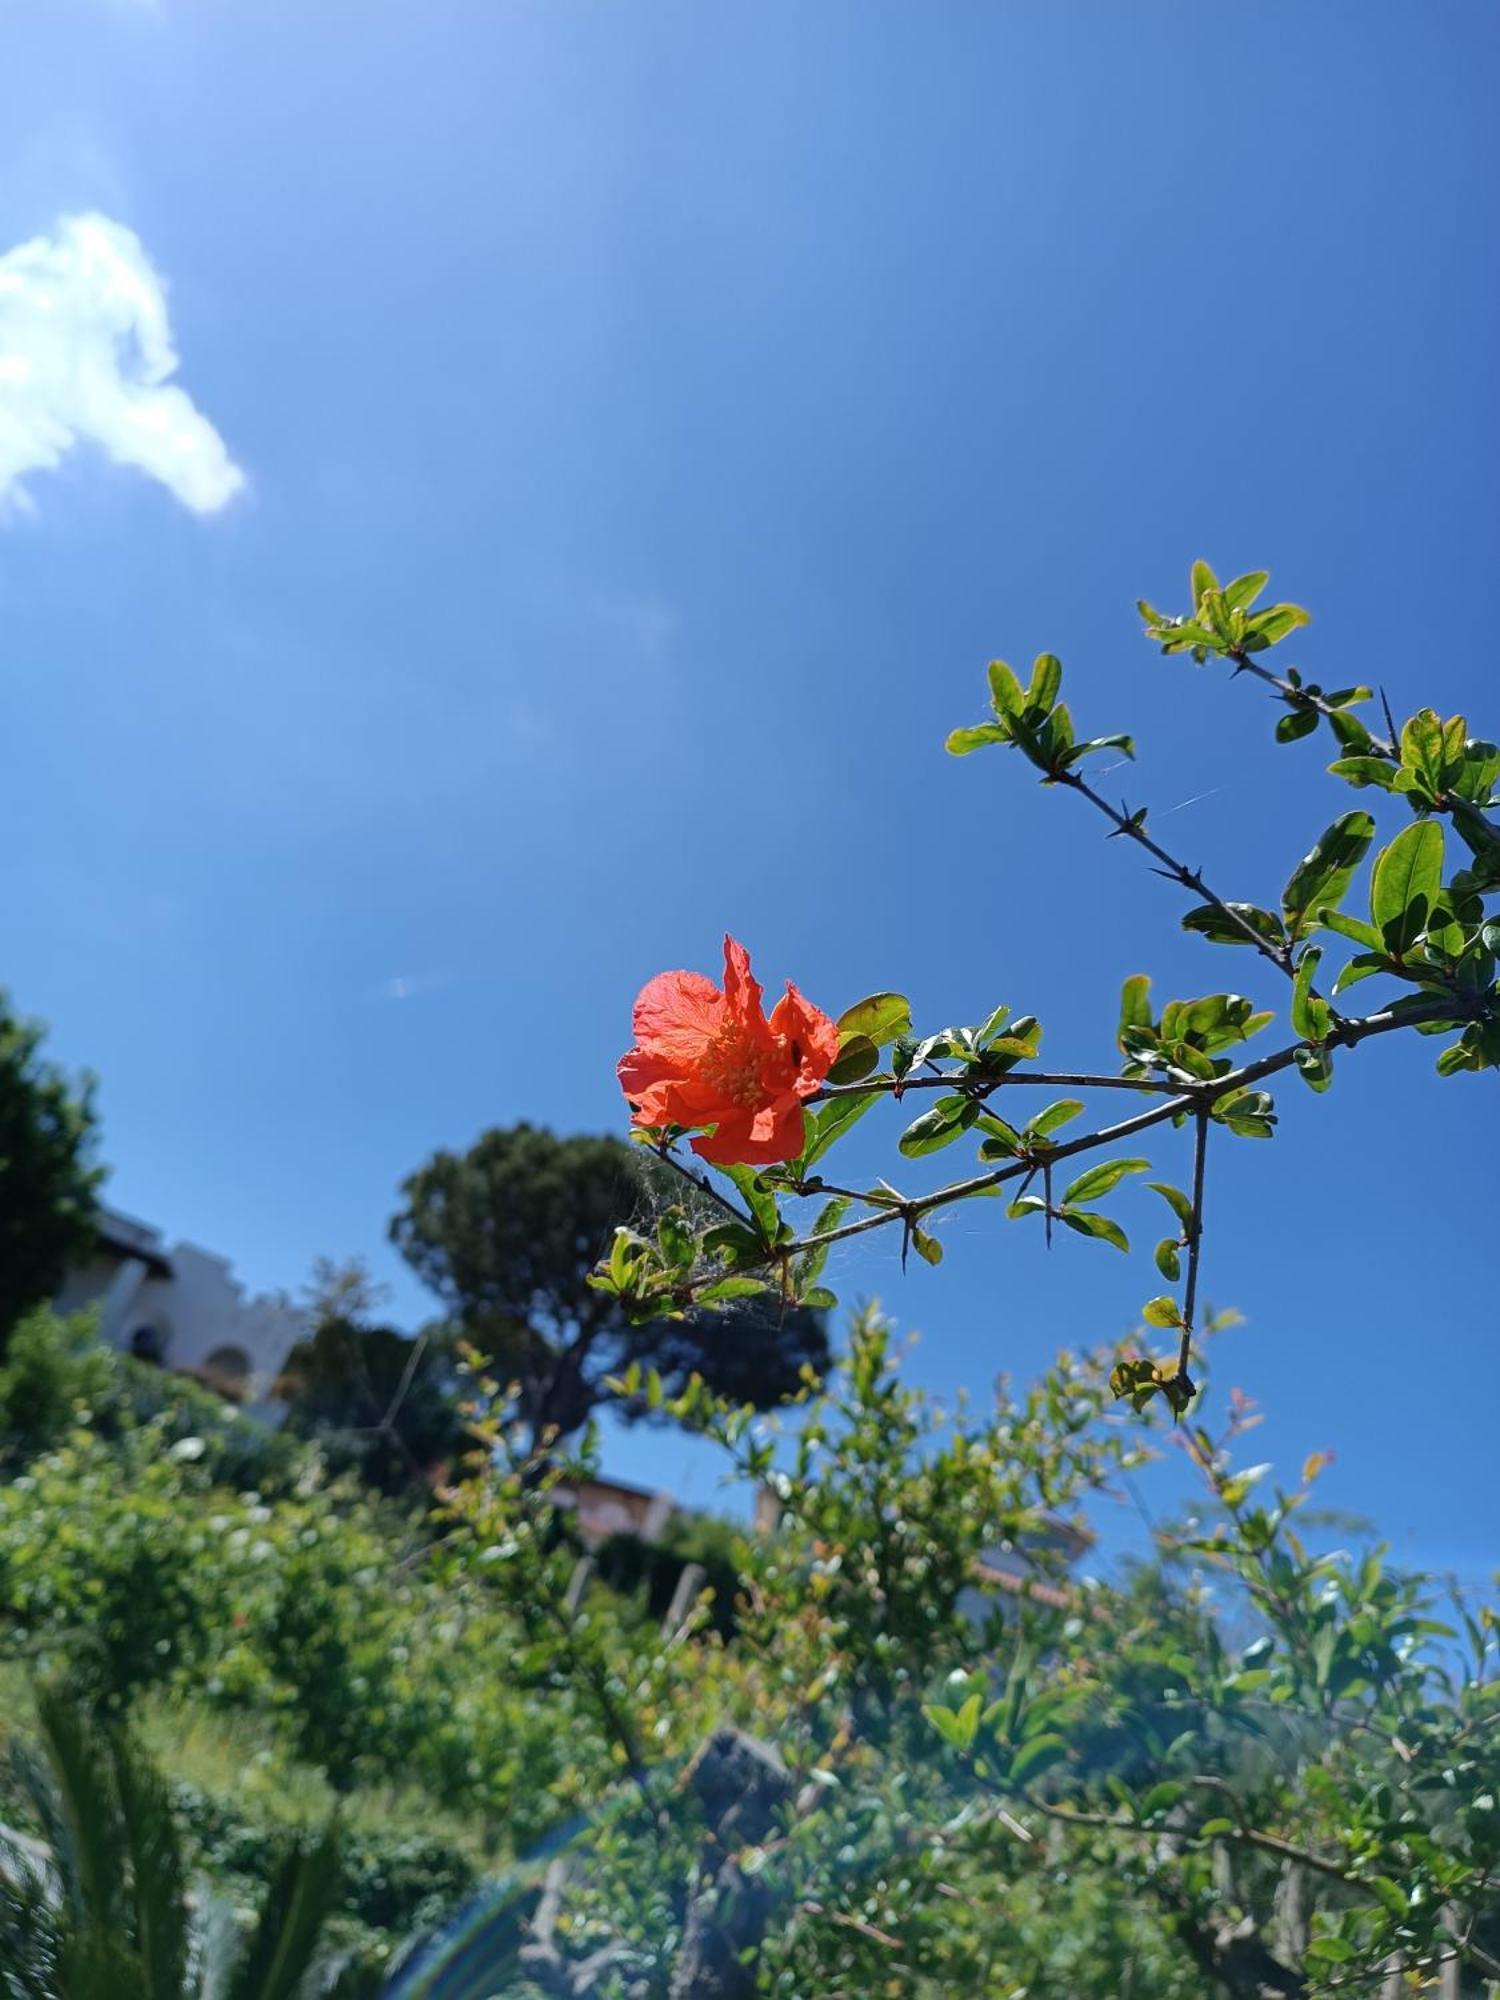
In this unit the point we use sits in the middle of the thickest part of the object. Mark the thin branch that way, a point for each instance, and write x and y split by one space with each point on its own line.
1350 1034
921 1205
413 1360
1246 1836
1130 825
1378 746
1194 1243
703 1184
981 1086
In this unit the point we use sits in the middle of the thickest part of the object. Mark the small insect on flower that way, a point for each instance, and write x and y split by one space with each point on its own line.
706 1057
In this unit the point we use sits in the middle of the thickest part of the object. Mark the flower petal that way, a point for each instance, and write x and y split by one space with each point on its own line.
677 1015
811 1039
758 1139
742 990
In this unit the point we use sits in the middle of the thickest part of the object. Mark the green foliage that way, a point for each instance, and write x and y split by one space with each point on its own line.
508 1234
48 1181
328 1619
54 1370
376 1402
57 1374
1248 1767
115 1920
966 1763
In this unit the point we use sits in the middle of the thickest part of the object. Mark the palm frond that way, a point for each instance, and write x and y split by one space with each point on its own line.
158 1882
98 1966
303 1894
91 1848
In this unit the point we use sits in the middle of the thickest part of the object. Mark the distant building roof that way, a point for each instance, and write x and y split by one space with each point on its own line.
604 1507
134 1239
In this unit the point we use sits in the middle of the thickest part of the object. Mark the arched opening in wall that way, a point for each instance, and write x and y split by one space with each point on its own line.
227 1370
149 1343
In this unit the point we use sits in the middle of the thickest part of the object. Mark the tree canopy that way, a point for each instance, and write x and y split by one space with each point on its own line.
508 1235
376 1400
48 1178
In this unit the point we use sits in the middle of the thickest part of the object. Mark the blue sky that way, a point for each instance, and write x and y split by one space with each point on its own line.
617 439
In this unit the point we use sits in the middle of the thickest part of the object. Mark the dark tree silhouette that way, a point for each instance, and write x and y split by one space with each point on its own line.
48 1181
378 1401
506 1236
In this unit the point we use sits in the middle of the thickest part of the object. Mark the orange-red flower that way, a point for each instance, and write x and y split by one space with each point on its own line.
706 1057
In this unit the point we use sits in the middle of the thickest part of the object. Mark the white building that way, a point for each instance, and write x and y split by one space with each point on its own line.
182 1309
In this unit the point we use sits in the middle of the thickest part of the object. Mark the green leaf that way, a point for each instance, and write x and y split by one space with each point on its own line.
1162 1311
1135 1003
1269 627
1099 1180
1406 883
1310 1015
1242 593
927 1247
1296 723
1003 1141
1353 735
1353 928
1331 1950
1039 1754
1320 879
992 1025
1249 1113
1361 771
880 1018
1215 613
675 1240
810 1265
979 736
956 1726
1046 1122
1183 635
938 1127
761 1203
1087 1223
1210 921
833 1119
1202 581
1362 966
1315 1067
1176 1200
1006 696
730 1288
1096 743
1168 1261
857 1056
1391 1895
1140 1380
1018 1044
1422 749
1046 680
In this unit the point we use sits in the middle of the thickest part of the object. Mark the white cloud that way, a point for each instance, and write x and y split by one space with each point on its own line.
85 356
